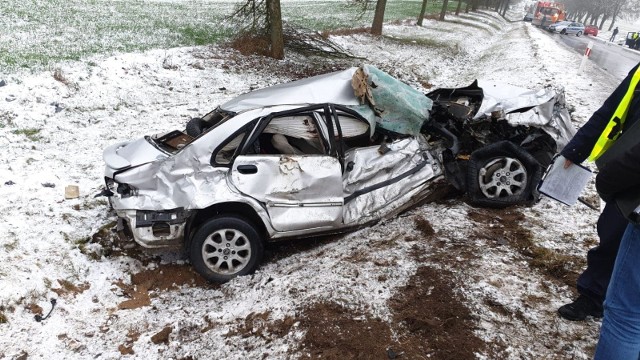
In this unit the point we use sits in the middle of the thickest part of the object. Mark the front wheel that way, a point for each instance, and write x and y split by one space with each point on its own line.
226 247
502 174
563 32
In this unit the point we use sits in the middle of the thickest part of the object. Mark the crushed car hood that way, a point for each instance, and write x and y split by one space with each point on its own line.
544 108
130 154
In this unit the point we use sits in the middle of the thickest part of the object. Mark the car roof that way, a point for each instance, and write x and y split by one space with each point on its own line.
332 88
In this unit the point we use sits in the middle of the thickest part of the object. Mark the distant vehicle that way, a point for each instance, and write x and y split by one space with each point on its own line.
591 30
558 25
567 28
630 40
547 13
528 16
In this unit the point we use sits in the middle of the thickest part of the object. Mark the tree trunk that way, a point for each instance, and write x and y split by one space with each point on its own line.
474 5
274 17
504 9
604 17
458 8
584 20
466 8
445 3
498 4
422 11
378 18
613 18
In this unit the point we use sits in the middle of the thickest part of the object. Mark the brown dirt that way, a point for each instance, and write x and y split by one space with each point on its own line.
127 347
116 243
334 332
260 324
69 289
436 322
507 228
429 320
163 278
35 309
162 337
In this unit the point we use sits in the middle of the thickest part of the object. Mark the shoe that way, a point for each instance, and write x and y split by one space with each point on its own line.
580 309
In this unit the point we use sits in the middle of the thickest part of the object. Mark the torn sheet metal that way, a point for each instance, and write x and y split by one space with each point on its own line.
505 98
405 166
552 117
545 109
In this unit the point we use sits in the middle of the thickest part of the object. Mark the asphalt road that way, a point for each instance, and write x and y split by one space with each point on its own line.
615 59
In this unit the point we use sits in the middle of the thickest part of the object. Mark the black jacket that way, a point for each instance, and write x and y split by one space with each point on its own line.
619 181
580 146
620 175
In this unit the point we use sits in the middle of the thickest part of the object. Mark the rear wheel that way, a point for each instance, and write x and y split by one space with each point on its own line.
502 174
226 247
579 33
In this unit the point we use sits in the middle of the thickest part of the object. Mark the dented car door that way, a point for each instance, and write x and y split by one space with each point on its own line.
298 191
287 168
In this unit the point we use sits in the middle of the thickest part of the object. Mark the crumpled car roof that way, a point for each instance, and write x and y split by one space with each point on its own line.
328 88
377 96
390 104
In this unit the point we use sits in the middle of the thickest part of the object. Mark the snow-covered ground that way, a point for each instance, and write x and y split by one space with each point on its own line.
55 124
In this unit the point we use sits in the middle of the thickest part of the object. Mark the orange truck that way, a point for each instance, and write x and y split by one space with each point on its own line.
547 13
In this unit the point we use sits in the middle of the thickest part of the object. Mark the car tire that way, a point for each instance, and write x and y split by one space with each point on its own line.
563 32
196 126
502 174
226 247
579 33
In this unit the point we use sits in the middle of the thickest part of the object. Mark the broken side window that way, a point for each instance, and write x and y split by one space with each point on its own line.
290 135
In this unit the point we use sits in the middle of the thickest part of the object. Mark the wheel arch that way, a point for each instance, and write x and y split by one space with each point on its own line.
503 148
237 209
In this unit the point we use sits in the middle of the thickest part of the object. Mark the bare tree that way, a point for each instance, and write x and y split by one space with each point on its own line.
458 7
445 4
261 20
274 19
422 11
592 11
378 17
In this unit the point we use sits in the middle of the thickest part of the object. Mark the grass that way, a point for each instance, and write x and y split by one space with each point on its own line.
30 133
46 32
425 42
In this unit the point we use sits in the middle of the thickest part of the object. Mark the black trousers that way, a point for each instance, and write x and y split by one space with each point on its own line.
593 282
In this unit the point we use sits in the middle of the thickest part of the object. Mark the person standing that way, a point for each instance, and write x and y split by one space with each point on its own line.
619 111
618 182
613 36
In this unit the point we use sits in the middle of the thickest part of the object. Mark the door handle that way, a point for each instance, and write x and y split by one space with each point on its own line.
247 169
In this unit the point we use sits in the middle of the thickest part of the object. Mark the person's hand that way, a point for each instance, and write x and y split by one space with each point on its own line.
567 163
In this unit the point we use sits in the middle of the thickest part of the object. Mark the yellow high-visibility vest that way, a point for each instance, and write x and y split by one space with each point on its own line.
614 127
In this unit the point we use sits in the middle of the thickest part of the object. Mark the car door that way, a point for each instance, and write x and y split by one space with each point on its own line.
286 166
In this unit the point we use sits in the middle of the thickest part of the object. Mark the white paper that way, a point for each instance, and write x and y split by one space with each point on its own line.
564 185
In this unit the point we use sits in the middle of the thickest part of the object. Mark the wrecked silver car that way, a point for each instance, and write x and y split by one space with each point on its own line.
326 154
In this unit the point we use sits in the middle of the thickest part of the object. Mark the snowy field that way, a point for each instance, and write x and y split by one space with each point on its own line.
113 301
